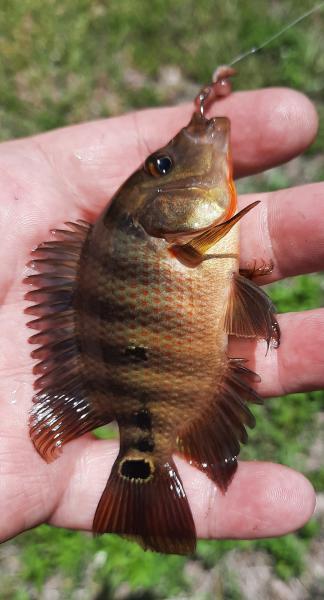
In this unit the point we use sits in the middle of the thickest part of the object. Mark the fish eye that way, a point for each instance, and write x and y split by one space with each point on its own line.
158 165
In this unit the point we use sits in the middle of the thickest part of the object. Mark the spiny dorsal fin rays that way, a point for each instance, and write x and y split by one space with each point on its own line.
62 409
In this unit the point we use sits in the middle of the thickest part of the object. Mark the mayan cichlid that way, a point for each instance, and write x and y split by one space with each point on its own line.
133 315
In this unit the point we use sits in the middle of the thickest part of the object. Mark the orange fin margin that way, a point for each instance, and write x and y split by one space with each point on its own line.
155 512
61 410
212 442
250 312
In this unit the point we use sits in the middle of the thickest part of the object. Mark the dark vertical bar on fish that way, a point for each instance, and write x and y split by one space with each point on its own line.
133 316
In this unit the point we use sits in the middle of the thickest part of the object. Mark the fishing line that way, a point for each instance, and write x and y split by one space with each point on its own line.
256 49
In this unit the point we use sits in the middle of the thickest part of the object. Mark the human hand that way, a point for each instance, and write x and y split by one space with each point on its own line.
70 174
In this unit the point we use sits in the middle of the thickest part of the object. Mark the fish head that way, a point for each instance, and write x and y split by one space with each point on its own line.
186 186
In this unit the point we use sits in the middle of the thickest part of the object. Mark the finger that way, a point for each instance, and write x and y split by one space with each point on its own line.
297 365
72 173
32 491
285 229
268 127
263 499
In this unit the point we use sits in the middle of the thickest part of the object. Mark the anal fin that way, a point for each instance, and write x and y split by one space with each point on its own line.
62 410
250 312
212 442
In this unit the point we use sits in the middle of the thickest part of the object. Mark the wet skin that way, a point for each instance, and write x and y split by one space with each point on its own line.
69 174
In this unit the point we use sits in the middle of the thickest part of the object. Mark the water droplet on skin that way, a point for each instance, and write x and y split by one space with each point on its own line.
19 392
91 154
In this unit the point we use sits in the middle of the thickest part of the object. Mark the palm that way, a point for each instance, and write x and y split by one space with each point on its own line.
71 174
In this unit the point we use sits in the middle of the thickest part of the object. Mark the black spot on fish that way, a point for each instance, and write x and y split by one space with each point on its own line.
136 469
136 353
143 419
145 445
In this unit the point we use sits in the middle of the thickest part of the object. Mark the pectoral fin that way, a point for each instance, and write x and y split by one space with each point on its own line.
250 312
192 253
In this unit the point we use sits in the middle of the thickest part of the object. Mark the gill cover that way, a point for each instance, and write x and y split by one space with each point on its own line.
188 183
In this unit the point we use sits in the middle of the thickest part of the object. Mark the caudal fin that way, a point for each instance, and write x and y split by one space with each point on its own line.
147 502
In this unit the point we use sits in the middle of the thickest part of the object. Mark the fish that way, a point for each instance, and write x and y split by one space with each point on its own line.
132 316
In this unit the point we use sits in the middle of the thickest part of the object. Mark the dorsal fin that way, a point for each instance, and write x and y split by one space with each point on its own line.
62 411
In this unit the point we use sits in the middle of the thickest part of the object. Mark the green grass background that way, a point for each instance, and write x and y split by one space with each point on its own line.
65 62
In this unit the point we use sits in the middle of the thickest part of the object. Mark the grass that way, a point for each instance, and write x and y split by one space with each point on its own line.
63 63
72 61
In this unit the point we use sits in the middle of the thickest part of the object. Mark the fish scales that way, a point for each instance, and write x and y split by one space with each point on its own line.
132 317
166 310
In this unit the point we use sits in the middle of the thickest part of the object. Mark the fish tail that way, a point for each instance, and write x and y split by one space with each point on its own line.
145 501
